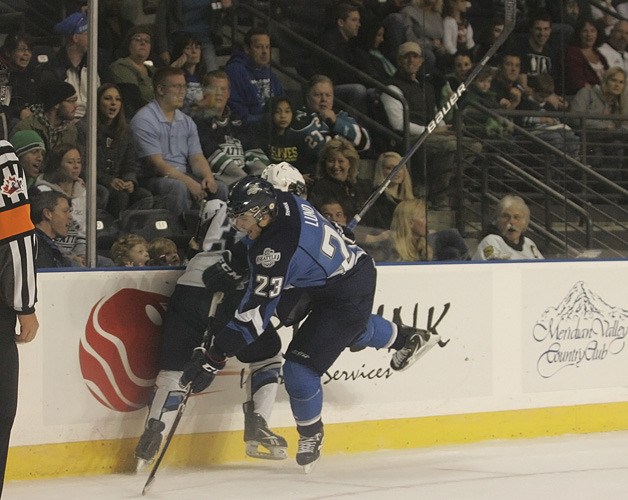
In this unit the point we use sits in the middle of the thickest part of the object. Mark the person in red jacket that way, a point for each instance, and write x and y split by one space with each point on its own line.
584 63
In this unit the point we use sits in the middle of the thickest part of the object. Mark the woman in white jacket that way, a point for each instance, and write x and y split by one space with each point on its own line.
63 174
606 138
458 33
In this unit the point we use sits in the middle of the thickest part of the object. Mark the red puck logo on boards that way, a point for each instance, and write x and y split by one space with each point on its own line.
118 353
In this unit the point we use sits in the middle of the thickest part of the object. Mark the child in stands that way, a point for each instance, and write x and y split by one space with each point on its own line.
163 252
283 142
548 128
130 250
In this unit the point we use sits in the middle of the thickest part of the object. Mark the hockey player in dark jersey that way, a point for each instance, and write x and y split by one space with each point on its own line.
290 246
185 322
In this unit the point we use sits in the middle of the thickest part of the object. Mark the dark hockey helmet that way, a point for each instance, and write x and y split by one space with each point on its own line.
252 194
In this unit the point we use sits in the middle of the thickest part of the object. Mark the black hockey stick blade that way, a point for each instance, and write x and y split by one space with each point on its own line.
509 24
175 424
216 299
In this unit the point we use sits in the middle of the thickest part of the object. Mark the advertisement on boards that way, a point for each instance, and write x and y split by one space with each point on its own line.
574 333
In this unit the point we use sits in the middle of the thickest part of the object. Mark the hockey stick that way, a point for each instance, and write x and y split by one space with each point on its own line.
509 24
216 299
196 238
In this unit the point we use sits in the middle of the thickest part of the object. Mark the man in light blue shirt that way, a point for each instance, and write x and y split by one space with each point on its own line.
166 140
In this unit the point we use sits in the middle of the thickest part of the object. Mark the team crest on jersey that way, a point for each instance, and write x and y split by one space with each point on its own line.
268 258
12 185
488 251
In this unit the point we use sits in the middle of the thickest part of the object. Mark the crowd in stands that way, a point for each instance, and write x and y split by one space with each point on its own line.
174 127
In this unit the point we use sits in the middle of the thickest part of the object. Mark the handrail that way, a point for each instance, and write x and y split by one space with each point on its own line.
606 10
572 251
548 147
584 215
518 169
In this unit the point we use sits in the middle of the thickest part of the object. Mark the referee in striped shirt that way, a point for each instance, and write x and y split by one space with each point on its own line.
18 289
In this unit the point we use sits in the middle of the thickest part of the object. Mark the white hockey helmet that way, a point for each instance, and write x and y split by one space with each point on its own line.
285 177
209 209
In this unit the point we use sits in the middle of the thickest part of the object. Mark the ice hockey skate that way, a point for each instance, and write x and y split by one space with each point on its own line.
309 451
418 343
260 441
149 443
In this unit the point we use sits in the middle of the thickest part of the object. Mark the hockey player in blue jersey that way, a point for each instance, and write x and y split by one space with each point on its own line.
291 247
185 322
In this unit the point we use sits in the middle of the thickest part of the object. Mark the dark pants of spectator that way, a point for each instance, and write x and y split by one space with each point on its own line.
9 368
175 194
140 198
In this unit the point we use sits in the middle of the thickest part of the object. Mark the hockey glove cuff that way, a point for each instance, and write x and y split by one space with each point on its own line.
201 370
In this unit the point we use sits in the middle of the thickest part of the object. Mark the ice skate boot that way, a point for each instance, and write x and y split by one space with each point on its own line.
260 441
149 443
417 343
309 451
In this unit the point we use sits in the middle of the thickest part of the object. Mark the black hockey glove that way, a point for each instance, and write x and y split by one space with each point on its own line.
222 277
202 368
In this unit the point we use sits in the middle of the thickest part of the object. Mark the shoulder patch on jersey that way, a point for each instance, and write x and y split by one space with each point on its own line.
488 251
268 258
12 186
286 208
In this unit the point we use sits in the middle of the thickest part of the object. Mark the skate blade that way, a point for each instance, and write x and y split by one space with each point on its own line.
308 468
255 451
420 352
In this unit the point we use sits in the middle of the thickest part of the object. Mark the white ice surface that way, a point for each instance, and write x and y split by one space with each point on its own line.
580 467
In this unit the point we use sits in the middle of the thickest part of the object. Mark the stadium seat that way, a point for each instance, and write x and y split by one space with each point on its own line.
154 223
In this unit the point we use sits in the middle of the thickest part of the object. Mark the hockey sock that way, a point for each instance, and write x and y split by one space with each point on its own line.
262 384
306 394
379 333
310 430
168 395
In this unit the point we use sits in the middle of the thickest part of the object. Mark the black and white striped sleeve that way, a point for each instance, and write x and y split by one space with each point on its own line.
18 287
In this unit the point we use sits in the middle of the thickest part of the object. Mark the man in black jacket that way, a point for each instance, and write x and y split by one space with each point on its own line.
440 146
340 41
52 216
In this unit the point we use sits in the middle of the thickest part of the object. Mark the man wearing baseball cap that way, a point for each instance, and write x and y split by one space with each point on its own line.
54 122
30 150
74 24
440 145
70 62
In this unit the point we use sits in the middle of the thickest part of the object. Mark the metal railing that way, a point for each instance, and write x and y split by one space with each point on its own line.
574 207
606 10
